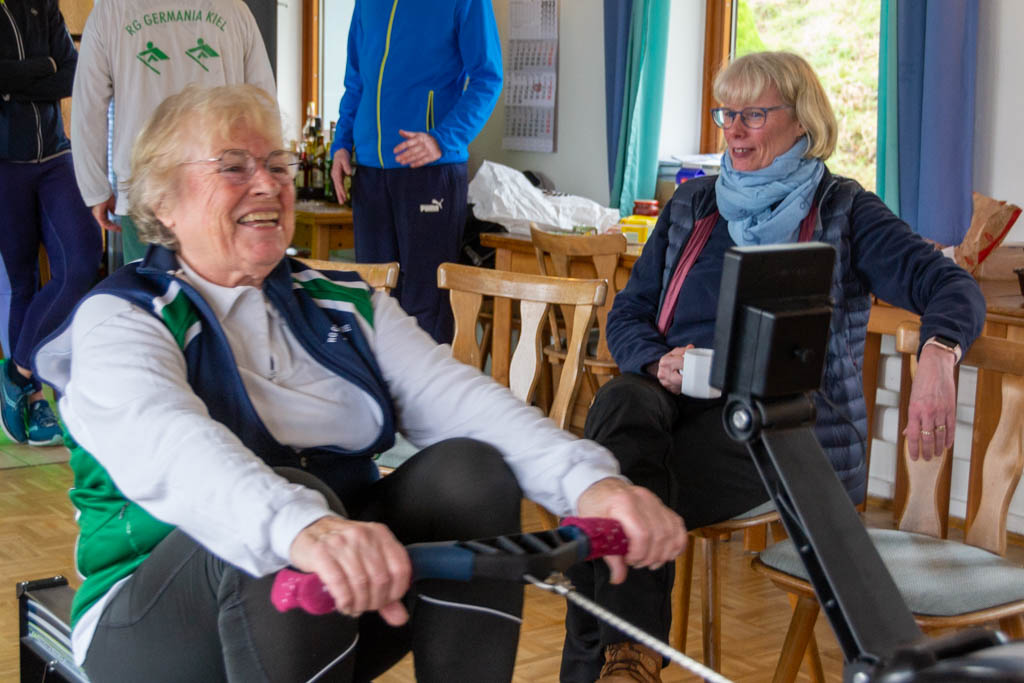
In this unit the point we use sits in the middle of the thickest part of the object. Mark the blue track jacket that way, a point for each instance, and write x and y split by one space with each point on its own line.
418 65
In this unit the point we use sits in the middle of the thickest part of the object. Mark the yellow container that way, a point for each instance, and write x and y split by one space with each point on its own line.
637 228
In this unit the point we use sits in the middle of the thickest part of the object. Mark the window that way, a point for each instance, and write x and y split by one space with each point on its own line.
336 15
840 40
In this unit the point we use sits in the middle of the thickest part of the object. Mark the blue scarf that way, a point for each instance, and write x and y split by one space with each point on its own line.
745 198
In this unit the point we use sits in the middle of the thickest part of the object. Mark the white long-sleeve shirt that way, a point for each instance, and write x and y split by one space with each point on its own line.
138 52
129 404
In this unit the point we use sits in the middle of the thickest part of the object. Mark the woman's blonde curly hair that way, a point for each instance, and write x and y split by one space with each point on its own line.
206 113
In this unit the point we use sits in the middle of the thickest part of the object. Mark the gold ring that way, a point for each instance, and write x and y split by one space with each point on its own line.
925 432
940 428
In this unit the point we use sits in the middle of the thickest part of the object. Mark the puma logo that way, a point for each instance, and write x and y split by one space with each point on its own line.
434 206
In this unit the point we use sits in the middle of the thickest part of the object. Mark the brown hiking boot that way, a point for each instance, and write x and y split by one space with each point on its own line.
629 662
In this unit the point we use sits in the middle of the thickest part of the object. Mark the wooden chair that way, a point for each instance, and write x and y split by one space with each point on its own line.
535 294
947 584
754 523
884 319
381 276
556 255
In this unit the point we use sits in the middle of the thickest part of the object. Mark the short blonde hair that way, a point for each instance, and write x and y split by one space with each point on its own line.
197 112
746 78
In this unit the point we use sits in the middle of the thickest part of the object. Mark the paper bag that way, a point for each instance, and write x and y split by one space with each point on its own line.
990 222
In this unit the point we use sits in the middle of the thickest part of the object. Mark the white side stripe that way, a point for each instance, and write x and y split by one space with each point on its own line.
159 302
475 608
335 661
194 329
310 275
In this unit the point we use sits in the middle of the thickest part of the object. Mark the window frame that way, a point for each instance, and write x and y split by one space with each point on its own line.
719 46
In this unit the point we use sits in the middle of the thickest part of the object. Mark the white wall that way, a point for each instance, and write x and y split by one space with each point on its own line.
998 143
580 164
337 17
289 66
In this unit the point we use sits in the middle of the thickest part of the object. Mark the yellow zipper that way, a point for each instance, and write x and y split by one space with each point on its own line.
380 81
430 108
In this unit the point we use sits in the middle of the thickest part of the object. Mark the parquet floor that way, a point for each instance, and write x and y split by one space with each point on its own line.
37 534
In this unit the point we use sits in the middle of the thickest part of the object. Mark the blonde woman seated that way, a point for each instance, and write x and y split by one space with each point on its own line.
227 402
774 188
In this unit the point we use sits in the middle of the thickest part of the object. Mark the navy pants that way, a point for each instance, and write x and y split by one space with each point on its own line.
186 615
415 216
40 204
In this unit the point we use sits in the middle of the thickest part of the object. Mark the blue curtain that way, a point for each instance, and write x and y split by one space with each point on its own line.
635 169
617 15
936 53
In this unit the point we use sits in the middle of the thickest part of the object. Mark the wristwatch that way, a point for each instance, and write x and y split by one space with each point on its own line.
945 343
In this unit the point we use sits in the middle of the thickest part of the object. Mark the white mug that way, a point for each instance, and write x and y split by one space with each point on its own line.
696 372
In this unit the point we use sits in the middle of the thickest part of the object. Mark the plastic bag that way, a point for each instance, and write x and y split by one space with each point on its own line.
503 195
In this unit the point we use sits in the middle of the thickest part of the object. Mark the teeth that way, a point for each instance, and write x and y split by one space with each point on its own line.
259 216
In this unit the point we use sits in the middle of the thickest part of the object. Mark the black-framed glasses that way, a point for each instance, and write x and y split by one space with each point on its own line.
238 166
752 117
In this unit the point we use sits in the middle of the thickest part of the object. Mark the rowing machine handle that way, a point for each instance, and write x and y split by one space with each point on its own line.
501 557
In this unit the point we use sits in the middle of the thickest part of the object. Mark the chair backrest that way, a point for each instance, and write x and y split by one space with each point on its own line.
380 276
1003 460
602 252
468 285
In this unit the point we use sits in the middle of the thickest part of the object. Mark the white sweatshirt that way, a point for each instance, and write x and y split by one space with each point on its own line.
138 52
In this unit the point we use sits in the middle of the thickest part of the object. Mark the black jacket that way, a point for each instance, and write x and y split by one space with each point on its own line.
37 67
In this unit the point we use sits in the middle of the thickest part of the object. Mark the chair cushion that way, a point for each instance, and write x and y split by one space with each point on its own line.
398 454
761 509
936 577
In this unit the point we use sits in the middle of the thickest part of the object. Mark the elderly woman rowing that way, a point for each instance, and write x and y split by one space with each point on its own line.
774 188
227 402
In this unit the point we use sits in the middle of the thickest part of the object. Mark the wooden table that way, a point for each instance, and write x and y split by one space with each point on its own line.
1005 319
321 226
515 252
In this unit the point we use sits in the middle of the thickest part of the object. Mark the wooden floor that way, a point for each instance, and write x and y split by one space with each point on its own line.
37 534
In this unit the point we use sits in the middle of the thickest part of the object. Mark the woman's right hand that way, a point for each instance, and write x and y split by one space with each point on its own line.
668 367
361 564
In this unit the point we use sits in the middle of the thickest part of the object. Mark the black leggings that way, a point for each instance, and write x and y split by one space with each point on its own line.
186 615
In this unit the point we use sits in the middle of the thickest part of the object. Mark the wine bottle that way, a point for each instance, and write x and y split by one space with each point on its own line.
317 159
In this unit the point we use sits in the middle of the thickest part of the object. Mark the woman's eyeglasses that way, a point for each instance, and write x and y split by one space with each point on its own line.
238 166
752 117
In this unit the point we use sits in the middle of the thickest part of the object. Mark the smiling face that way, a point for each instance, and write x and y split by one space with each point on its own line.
751 149
230 234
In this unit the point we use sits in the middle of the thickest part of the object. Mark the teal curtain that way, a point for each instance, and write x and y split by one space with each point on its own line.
887 170
636 161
